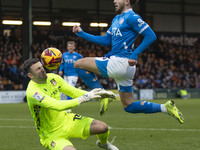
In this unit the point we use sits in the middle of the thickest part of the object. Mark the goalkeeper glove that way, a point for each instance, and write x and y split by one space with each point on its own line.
106 94
94 94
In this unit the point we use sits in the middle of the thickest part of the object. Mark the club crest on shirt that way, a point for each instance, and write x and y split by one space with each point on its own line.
37 96
121 21
53 82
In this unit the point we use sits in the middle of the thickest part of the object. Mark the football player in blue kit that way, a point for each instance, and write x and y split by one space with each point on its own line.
67 67
120 62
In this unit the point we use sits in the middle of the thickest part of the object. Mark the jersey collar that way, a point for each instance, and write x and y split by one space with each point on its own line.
128 10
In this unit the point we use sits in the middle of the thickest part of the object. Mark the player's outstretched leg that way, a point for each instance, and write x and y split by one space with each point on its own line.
145 107
172 110
91 80
148 107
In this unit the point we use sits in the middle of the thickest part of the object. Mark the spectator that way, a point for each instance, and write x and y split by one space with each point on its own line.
9 85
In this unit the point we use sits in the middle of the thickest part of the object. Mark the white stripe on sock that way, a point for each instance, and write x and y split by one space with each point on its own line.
163 108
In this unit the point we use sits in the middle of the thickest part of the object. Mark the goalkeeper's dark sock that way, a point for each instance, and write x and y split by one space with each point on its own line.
143 107
89 78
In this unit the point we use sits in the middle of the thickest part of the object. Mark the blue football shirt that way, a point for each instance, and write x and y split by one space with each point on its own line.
124 30
67 65
121 35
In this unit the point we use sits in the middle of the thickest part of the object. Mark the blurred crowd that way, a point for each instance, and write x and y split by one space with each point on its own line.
163 65
169 66
11 72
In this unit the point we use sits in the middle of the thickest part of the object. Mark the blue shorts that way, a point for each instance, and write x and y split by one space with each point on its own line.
119 69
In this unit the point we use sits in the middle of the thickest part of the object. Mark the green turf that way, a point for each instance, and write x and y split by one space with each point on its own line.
133 131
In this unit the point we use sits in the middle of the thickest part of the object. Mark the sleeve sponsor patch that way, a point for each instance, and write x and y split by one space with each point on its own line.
37 96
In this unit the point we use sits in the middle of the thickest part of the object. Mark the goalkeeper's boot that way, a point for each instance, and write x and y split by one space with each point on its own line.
104 105
107 146
173 111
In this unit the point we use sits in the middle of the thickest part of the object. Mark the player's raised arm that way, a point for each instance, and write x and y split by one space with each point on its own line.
142 28
102 40
149 38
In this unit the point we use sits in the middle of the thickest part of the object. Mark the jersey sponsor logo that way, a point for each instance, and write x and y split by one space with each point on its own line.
116 32
53 82
77 116
55 91
69 61
121 21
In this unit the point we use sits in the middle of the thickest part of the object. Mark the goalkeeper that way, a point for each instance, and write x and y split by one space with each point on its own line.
54 126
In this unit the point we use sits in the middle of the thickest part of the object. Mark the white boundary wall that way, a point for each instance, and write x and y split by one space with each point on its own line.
12 96
146 94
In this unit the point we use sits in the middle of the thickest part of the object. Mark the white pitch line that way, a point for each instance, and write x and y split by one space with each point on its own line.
156 129
142 129
24 127
6 119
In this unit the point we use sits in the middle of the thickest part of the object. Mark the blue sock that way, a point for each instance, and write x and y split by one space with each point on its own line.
89 78
69 98
143 107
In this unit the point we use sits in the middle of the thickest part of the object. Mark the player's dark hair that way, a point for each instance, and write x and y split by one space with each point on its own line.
132 2
28 63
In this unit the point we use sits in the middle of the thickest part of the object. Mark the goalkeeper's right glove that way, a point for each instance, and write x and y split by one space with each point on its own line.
94 94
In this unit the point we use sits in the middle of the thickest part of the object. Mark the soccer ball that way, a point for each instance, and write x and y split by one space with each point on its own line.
51 58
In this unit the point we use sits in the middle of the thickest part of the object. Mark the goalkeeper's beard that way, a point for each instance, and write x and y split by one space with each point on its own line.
42 77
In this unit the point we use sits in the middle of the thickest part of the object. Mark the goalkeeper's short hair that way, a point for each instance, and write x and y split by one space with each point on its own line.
28 63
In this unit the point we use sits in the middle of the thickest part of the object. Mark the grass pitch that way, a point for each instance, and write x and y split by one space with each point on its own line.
132 131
